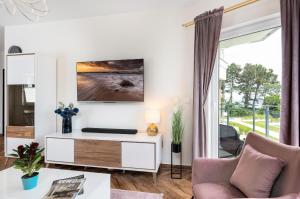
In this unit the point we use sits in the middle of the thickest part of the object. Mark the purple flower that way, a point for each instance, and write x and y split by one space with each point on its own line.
32 149
67 112
58 111
21 151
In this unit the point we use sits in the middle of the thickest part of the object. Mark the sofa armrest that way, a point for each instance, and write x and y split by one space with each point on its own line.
288 196
212 170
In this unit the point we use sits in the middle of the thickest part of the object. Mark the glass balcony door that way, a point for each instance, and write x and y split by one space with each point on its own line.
249 88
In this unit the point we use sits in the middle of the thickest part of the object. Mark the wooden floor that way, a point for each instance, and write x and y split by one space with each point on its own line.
136 181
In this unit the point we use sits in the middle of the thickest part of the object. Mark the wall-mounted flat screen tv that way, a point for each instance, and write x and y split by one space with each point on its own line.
111 81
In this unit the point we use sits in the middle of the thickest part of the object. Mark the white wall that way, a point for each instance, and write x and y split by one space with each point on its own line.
1 38
156 36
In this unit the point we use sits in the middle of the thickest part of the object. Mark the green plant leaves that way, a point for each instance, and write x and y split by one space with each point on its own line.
30 162
177 126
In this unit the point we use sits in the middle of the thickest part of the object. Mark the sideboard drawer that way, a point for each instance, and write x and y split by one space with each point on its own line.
20 132
138 155
60 150
98 153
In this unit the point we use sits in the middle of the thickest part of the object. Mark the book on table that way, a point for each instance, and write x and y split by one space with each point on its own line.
67 188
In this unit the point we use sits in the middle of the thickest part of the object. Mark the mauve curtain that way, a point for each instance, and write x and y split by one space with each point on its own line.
207 34
289 122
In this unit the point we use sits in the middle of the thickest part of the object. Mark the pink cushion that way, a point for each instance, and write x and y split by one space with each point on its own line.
255 173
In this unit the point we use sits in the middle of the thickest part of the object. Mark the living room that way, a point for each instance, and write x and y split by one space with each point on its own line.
118 98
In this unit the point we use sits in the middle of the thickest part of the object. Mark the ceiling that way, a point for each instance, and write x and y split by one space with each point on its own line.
70 9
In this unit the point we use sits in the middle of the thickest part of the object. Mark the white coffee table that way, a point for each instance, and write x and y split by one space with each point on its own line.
97 185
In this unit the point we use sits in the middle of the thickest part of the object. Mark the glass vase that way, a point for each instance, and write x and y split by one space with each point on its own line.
67 125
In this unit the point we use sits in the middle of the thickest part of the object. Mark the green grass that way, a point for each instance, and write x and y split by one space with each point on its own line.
263 125
260 116
250 117
244 130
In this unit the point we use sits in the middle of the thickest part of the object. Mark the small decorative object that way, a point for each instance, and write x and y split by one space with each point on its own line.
66 188
29 162
66 113
177 132
153 118
14 50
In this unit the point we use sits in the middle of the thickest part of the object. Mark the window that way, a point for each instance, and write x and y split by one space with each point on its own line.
249 88
29 93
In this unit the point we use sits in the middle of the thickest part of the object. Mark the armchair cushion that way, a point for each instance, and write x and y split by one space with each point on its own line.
219 190
224 190
255 173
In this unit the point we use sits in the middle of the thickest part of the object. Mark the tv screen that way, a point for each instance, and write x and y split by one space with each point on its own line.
110 81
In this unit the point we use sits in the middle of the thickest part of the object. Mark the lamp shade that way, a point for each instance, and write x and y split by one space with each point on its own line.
152 116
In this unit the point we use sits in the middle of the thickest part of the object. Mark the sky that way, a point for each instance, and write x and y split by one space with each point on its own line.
267 53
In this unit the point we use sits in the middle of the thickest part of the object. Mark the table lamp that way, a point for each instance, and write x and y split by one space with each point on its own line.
152 117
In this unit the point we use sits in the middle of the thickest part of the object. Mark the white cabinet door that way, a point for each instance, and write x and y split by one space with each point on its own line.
60 150
20 69
13 143
138 155
45 92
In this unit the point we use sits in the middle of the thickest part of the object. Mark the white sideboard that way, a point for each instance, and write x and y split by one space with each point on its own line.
138 152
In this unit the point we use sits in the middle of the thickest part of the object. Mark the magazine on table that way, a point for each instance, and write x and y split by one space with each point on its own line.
67 188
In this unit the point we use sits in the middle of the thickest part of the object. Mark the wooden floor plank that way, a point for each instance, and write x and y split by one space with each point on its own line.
135 181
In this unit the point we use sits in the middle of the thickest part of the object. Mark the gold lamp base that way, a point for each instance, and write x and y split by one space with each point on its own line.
152 130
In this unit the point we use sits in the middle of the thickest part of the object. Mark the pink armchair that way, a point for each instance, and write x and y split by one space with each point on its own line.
210 177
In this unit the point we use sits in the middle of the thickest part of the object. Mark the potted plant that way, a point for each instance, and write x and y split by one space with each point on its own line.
66 112
29 161
177 130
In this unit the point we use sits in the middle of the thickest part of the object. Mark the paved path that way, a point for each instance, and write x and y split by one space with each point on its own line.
262 130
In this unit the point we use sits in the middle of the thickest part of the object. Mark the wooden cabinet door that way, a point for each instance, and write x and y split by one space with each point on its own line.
98 153
20 69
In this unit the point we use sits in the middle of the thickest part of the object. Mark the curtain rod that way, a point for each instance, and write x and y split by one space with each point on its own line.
229 9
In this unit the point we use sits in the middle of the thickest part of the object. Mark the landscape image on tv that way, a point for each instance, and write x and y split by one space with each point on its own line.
116 80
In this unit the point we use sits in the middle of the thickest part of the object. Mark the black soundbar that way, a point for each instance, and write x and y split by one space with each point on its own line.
106 130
